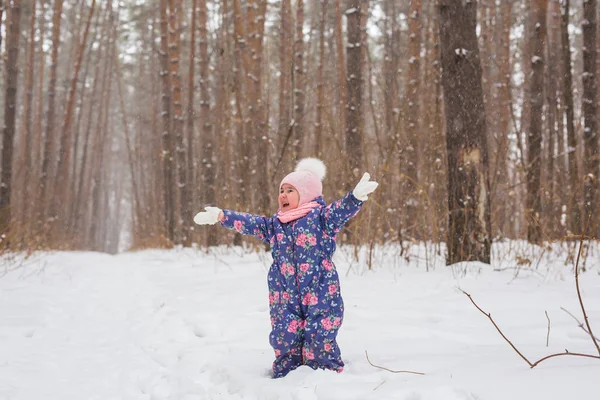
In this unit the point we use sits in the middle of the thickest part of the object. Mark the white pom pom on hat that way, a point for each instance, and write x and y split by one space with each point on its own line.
307 179
313 165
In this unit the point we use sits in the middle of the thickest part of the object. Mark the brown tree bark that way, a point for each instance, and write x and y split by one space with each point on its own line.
286 39
208 140
27 194
190 112
390 67
469 231
318 135
342 76
10 112
534 136
2 8
354 85
243 123
589 113
39 114
499 178
49 141
183 207
256 15
411 148
574 215
552 95
299 81
168 143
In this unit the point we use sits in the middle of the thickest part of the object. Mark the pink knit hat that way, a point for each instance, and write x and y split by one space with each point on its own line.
307 179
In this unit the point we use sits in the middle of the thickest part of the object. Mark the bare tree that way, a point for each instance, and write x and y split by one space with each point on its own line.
49 140
183 206
469 231
168 143
534 136
10 112
299 80
574 179
285 79
27 194
318 135
410 146
589 111
354 62
208 142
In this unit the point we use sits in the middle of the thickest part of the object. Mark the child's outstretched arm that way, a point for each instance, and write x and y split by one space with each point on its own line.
246 224
339 212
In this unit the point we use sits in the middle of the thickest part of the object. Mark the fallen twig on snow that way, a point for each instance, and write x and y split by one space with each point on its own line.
534 364
391 370
566 353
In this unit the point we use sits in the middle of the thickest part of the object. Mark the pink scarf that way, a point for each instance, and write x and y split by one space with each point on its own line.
297 213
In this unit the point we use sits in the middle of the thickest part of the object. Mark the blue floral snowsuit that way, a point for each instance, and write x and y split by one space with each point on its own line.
304 289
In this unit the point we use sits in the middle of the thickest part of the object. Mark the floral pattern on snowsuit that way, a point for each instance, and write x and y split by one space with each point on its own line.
305 302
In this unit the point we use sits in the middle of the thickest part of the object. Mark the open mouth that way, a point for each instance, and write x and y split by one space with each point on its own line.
285 204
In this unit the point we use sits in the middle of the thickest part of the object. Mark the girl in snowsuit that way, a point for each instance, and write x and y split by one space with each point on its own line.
306 306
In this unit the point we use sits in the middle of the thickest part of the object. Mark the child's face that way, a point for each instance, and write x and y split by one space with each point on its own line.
288 197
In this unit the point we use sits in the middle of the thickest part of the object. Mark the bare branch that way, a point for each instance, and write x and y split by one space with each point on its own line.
579 323
532 365
391 370
585 317
497 328
548 334
566 353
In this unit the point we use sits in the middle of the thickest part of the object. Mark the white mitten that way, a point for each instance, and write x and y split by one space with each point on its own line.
208 217
364 187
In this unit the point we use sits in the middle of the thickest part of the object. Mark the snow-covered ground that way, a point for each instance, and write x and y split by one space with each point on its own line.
183 324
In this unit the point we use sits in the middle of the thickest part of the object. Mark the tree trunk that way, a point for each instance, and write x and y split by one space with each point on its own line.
10 110
469 231
588 106
285 82
318 136
574 215
49 141
208 142
411 147
168 145
255 16
534 136
554 169
2 6
38 159
191 107
341 68
185 209
243 122
499 178
354 87
27 193
299 81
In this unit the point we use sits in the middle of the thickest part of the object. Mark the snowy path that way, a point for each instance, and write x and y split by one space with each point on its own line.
183 325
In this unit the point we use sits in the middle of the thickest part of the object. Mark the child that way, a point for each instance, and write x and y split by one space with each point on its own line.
304 291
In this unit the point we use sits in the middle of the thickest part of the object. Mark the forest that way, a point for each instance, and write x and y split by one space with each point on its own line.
122 119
